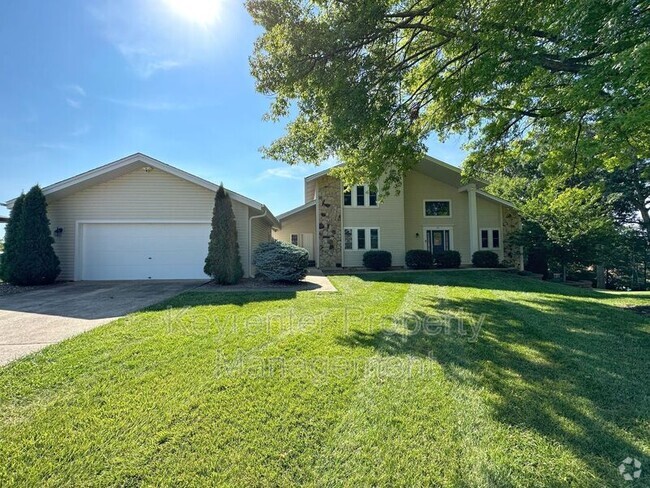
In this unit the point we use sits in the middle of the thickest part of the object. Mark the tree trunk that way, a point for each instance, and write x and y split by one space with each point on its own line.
600 276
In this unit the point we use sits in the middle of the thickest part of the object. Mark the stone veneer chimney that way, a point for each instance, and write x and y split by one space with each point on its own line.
329 222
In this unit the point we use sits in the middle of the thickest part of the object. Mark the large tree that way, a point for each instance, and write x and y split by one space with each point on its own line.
369 81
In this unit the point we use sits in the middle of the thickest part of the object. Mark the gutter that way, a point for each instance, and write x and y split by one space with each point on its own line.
250 238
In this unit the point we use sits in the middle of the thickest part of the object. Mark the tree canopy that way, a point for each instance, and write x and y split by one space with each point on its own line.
565 83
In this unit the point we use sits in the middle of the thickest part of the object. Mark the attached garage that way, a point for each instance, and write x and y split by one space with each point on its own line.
141 219
143 250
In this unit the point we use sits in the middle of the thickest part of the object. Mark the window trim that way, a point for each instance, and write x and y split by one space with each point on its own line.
297 239
490 231
366 197
355 238
424 208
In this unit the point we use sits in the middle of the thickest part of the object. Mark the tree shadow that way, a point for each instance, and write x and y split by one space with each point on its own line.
506 281
574 374
195 298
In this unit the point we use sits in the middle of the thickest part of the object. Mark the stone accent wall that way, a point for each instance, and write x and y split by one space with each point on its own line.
511 223
329 222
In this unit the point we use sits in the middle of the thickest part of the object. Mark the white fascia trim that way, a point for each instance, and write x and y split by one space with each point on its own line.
149 161
321 173
489 196
296 210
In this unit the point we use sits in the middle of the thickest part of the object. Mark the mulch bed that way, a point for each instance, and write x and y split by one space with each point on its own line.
9 289
258 285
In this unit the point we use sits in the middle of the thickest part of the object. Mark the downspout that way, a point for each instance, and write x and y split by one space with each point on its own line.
250 239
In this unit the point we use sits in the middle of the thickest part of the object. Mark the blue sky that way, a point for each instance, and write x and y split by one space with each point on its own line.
88 82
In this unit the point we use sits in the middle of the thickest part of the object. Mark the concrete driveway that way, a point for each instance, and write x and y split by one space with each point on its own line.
32 320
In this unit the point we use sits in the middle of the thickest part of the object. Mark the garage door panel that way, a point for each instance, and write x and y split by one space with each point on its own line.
123 251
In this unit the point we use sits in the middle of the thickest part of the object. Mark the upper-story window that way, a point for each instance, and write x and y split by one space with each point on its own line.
360 196
437 208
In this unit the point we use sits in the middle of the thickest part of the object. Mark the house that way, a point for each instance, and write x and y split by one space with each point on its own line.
433 210
139 218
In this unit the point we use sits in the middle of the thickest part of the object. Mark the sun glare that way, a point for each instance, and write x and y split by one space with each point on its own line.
203 12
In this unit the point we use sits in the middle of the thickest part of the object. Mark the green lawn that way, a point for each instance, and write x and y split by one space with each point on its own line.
445 379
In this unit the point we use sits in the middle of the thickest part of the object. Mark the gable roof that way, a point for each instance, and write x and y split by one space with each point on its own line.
128 164
430 166
289 213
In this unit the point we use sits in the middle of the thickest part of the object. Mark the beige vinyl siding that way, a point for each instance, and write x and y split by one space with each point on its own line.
489 217
260 232
303 222
418 188
388 217
136 196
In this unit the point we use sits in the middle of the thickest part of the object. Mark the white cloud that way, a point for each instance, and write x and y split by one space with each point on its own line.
76 89
53 145
151 105
75 94
80 130
73 103
152 39
287 172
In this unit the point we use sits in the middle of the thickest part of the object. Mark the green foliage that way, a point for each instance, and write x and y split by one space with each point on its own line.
447 259
281 261
419 259
223 262
485 259
13 238
377 260
369 81
30 259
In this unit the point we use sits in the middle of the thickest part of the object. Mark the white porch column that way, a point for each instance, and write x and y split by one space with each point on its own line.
473 219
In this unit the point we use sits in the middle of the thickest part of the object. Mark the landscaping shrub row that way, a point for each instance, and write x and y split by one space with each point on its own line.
421 259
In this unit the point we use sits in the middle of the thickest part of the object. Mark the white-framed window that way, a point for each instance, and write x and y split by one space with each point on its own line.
294 239
360 196
361 238
437 208
490 238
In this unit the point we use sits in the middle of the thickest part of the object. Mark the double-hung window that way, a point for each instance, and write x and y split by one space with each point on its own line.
360 238
490 239
360 196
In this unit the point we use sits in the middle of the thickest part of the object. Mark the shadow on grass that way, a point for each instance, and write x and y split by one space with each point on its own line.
238 298
507 281
572 371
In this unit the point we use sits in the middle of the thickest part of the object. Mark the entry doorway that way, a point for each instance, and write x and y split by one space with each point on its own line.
438 239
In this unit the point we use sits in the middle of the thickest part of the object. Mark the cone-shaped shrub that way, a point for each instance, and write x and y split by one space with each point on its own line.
35 260
12 240
223 262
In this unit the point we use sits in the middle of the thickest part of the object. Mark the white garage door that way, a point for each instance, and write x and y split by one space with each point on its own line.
143 251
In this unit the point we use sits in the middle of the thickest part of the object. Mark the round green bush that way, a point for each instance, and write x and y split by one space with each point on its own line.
377 260
281 261
448 259
419 259
485 259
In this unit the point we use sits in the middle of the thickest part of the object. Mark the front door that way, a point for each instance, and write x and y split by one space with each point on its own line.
437 240
308 243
